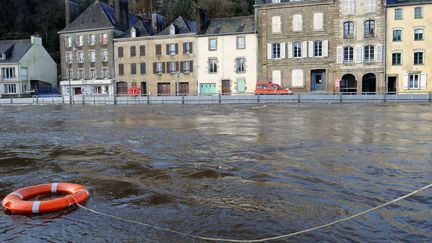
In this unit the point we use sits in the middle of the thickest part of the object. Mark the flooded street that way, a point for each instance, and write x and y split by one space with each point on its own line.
239 172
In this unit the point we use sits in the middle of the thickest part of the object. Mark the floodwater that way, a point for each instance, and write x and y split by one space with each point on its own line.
239 172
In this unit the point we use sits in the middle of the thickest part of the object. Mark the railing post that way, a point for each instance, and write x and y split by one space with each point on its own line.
11 101
220 99
62 99
258 98
183 99
37 99
340 98
430 97
298 98
148 99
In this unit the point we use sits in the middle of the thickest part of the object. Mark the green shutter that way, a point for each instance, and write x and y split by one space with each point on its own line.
241 86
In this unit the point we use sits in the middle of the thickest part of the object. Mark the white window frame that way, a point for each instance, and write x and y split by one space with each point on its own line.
10 89
213 66
80 55
276 24
212 44
240 65
92 39
92 73
241 42
92 55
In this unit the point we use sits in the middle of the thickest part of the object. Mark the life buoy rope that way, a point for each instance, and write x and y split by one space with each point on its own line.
18 202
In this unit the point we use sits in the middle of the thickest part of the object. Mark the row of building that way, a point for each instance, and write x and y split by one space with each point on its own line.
305 45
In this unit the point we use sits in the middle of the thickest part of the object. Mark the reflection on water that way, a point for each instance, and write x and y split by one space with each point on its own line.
222 171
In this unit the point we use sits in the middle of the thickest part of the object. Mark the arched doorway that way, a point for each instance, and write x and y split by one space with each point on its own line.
369 83
348 84
121 88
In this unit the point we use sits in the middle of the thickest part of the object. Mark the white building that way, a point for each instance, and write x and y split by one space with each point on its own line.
26 67
227 56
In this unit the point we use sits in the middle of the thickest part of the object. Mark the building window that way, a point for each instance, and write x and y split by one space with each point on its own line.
81 74
186 67
121 69
172 67
398 14
159 67
133 51
142 51
172 50
104 56
348 30
418 58
397 35
104 39
92 73
92 56
349 7
418 13
213 68
241 42
297 49
10 88
105 74
133 68
8 73
187 48
276 50
69 74
120 52
276 24
240 65
318 49
369 28
158 50
396 58
297 22
213 44
414 81
80 40
143 68
348 54
80 57
92 39
369 53
371 6
68 41
318 21
69 57
418 34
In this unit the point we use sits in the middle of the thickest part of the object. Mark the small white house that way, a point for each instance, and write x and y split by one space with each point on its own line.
26 68
227 56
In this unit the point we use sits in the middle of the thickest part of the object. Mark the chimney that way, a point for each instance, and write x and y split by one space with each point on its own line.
202 20
122 13
36 40
72 10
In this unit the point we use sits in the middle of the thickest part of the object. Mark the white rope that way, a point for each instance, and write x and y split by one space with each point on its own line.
257 240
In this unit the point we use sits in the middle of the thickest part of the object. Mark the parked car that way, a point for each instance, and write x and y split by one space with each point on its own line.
269 88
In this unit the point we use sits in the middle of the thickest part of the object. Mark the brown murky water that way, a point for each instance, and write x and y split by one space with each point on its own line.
240 172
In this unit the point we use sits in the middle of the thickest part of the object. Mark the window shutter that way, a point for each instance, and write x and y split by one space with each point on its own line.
167 49
311 49
297 22
184 48
405 81
304 49
423 81
191 65
340 54
181 66
283 50
318 21
358 54
176 48
190 46
163 68
325 46
276 24
379 53
290 50
269 51
177 66
371 6
276 77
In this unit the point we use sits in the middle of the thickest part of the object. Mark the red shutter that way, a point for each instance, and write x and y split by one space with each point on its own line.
176 48
177 66
163 68
184 48
190 46
154 68
167 49
181 66
191 65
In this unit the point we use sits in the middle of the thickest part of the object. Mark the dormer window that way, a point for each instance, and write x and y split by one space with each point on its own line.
172 30
3 56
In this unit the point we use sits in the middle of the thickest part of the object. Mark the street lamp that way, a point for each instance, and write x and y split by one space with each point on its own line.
177 82
70 92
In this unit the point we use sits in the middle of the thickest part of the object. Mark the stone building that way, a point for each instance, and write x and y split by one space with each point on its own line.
159 64
408 46
360 31
227 56
297 43
87 49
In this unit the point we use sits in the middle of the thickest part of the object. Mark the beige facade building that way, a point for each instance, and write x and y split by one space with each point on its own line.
297 43
162 64
360 29
409 46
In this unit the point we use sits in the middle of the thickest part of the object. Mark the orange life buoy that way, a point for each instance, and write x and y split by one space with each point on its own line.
17 203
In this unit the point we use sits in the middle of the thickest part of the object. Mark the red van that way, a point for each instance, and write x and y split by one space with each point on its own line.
269 88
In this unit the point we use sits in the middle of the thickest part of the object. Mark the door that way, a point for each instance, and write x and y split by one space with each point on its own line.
208 89
164 89
241 87
318 80
143 88
392 88
226 87
183 88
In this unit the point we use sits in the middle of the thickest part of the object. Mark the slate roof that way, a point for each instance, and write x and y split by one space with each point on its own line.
97 16
182 25
142 27
15 49
406 2
235 25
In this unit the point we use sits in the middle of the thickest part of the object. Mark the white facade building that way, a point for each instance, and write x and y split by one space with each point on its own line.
227 57
26 68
